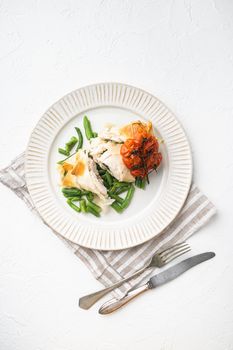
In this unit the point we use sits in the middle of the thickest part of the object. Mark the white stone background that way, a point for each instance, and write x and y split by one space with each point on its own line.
182 52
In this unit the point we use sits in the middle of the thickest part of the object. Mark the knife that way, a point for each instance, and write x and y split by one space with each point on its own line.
156 281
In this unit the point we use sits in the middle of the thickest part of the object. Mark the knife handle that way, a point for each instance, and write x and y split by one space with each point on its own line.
88 300
114 304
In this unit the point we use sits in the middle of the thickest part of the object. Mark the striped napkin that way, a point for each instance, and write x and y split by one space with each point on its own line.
111 266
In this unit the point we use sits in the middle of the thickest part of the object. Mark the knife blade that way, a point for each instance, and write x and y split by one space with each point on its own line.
156 281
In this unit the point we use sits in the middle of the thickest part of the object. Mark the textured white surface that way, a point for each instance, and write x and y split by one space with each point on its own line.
182 52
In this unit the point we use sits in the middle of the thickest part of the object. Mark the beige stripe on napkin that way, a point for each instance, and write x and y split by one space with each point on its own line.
111 266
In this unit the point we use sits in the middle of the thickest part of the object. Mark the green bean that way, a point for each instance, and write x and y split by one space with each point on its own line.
106 183
70 144
71 191
72 141
117 185
73 206
143 183
94 206
83 206
121 189
87 193
138 182
109 178
84 192
63 160
116 206
120 207
117 198
90 196
67 196
80 139
92 211
63 151
95 134
87 127
128 197
74 199
102 171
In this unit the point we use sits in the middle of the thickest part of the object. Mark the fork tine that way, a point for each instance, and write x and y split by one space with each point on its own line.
172 249
175 251
176 254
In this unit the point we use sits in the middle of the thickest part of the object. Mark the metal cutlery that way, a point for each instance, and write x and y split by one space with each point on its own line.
158 260
155 281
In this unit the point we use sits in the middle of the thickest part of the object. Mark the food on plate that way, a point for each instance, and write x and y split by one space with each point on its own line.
141 155
95 175
107 154
69 146
80 139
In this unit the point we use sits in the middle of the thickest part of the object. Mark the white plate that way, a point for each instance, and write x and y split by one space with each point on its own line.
152 210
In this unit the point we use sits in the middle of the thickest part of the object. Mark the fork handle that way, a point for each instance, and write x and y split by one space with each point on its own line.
114 304
88 300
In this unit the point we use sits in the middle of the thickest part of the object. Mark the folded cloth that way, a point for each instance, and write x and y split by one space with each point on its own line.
111 266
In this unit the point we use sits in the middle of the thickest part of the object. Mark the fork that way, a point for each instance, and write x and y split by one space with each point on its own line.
157 260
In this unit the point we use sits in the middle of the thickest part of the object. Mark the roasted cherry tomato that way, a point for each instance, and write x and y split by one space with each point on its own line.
130 146
141 155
